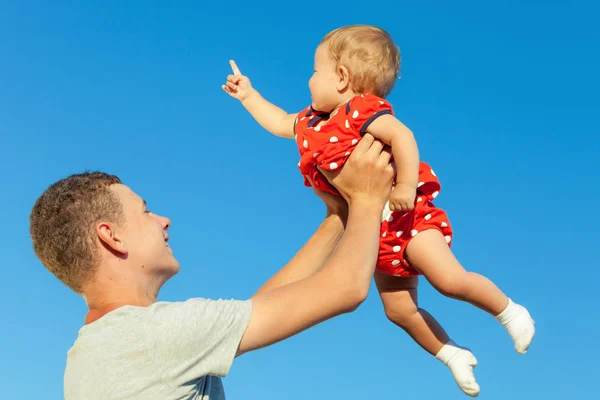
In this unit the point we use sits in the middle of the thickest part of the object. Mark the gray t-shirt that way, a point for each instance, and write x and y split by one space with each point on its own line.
166 351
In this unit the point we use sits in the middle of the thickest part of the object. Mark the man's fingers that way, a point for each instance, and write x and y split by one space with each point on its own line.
232 86
234 78
386 155
375 149
364 144
234 68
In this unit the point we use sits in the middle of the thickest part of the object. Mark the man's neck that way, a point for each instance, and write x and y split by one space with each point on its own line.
102 300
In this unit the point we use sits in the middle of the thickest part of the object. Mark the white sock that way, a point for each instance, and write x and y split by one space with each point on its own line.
461 362
519 324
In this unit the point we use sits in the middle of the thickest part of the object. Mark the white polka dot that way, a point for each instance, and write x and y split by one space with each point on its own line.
317 128
414 232
362 95
390 218
355 114
302 119
354 141
420 184
395 262
399 233
380 102
311 117
433 173
396 249
384 234
316 155
305 144
333 166
444 224
347 153
347 124
448 239
427 217
298 164
333 139
333 114
434 194
419 199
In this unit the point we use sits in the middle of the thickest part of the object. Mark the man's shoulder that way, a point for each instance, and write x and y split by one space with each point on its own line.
132 349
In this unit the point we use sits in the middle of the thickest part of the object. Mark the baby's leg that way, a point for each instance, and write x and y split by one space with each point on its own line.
400 300
428 252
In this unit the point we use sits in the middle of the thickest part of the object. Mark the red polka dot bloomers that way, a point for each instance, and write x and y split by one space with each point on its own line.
329 144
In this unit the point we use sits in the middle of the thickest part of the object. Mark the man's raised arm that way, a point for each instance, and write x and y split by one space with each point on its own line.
343 282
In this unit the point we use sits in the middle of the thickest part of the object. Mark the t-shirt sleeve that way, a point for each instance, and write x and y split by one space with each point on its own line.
365 109
197 337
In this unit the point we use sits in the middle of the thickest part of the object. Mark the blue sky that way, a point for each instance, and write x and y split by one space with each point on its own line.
503 100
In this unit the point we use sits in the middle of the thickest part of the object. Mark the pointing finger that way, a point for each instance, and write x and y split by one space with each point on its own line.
234 68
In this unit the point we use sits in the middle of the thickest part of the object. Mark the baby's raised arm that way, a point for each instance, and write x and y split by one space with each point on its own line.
268 115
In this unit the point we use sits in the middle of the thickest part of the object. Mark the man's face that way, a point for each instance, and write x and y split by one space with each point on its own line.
145 235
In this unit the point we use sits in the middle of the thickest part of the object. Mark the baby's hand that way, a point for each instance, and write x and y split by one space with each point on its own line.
238 86
402 198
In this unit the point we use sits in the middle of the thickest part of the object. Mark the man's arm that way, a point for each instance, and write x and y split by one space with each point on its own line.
311 256
343 282
319 247
337 288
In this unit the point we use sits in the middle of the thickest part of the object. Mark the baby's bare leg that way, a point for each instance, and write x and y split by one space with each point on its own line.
400 300
428 252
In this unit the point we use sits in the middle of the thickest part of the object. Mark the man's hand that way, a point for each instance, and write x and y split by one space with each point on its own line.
367 174
402 197
238 86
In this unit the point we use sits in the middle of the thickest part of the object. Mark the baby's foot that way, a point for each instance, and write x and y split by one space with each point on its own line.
461 362
519 324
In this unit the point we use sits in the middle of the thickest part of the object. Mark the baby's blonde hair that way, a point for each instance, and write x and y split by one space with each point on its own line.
370 55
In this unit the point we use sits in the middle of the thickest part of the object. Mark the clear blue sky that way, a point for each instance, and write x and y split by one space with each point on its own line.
503 100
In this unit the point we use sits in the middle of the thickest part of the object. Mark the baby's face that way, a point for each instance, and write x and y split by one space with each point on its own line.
323 83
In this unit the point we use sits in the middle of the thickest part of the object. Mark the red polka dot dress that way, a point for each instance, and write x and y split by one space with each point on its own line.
326 140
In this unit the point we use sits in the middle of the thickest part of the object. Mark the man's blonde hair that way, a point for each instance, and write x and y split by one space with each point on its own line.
370 55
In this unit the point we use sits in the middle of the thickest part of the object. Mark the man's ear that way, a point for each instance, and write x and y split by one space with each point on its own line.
110 238
343 82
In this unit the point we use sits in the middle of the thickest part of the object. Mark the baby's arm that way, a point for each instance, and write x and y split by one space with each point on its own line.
268 115
406 156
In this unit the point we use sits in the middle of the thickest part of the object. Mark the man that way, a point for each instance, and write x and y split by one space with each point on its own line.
97 236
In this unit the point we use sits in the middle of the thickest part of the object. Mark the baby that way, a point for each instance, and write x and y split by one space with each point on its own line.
355 69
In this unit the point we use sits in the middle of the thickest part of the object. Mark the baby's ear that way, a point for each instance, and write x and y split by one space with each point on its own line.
343 78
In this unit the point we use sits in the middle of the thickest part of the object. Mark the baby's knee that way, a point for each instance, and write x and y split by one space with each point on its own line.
400 314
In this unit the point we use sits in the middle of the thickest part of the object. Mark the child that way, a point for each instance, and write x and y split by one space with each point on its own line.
355 68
